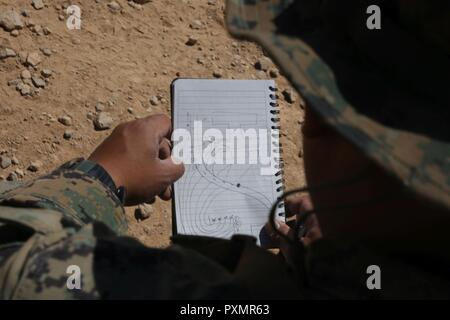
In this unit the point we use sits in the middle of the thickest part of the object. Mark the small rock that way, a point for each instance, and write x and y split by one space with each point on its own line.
68 134
14 82
15 33
114 6
25 74
46 30
90 116
99 107
37 4
289 95
28 82
217 74
5 162
14 160
30 23
12 177
25 90
19 84
46 73
130 110
10 20
192 40
65 120
23 57
76 41
103 121
38 82
134 5
46 51
61 17
143 211
24 13
261 74
19 173
154 101
274 73
196 24
35 166
263 64
33 59
37 29
7 53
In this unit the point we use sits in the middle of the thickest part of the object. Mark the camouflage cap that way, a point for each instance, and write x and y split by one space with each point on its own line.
384 90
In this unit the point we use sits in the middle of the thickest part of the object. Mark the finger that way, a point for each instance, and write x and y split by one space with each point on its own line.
293 205
311 236
172 170
281 227
164 149
311 222
166 194
160 124
297 204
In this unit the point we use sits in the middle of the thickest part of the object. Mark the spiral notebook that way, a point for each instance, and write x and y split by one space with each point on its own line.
220 119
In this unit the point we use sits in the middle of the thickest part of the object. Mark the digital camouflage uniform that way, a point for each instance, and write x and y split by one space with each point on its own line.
68 218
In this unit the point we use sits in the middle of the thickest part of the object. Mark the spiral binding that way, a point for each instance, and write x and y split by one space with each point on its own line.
277 146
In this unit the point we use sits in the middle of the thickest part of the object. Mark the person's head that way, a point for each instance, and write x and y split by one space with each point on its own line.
357 200
376 137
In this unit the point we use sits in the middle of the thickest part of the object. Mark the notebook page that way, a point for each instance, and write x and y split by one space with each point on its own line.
221 200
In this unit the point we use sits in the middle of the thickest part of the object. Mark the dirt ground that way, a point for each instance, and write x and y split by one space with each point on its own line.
120 59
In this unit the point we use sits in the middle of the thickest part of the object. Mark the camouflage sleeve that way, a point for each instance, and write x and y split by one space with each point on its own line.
70 196
94 263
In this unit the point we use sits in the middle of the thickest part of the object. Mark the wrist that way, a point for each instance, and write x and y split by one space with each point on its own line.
110 169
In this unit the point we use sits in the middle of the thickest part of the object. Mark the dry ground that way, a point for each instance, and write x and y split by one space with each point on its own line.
120 59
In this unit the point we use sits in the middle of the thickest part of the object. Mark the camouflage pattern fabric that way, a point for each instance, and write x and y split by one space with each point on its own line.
348 74
68 218
8 185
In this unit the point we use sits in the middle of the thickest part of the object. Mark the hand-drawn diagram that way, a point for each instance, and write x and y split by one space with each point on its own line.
220 200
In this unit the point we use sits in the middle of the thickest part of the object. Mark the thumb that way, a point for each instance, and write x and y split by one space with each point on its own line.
283 227
173 169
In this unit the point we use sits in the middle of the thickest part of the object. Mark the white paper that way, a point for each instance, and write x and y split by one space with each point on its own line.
220 200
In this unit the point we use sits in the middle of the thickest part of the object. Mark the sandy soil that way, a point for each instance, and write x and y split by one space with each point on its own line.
120 58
